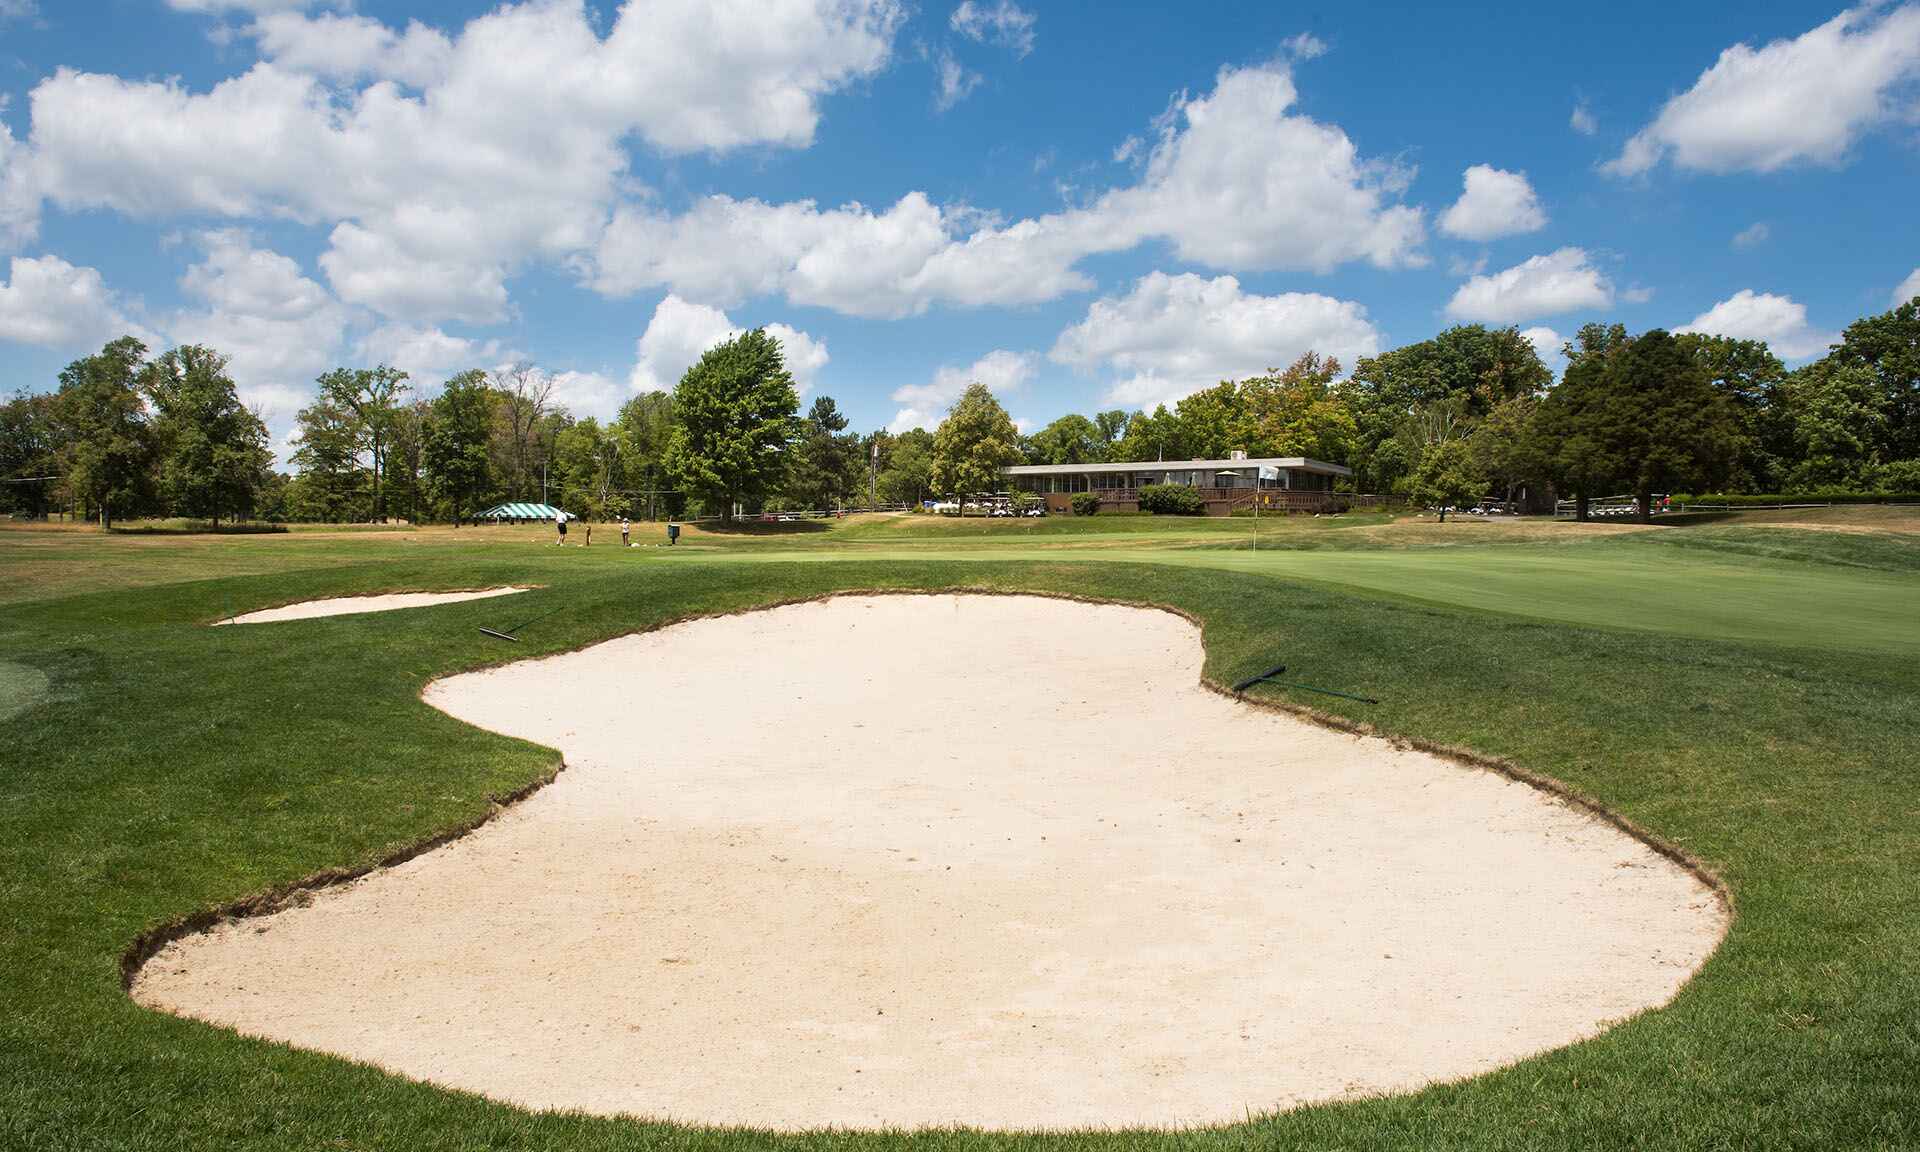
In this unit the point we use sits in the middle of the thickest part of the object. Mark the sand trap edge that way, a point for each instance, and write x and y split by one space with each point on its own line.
149 942
459 596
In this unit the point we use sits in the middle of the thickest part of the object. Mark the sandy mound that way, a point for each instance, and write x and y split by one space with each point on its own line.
351 605
994 861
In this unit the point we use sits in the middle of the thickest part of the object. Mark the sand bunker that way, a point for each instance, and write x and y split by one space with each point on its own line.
996 861
352 605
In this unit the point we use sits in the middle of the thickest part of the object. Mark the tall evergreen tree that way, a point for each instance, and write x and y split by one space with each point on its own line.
825 459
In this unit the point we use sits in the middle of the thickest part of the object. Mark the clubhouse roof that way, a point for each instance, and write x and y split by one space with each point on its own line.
1237 471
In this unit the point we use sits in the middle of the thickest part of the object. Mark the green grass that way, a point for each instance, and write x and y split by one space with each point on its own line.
1762 713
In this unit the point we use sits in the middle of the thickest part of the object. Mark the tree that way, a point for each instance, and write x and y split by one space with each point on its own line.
372 395
1749 375
1299 413
1158 436
1213 422
103 421
1505 450
735 419
646 425
972 444
825 459
406 460
30 443
907 477
1470 365
1113 429
525 396
457 463
1072 439
1571 425
587 457
213 451
1639 412
1835 410
331 485
1888 347
1446 477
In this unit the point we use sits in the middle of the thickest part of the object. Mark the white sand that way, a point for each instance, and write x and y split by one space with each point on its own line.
992 861
352 605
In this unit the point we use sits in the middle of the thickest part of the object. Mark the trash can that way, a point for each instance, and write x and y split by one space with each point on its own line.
673 533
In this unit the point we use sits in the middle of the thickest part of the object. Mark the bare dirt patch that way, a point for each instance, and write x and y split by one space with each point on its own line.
353 605
995 861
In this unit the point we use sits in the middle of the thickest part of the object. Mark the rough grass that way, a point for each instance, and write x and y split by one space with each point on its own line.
172 767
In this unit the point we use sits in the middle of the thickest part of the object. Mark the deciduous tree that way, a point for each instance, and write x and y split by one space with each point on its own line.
104 425
735 419
972 444
457 464
213 452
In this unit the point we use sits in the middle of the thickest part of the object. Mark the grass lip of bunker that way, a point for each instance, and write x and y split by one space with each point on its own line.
358 605
1003 894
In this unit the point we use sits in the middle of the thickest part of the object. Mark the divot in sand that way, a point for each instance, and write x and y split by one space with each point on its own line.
353 605
923 860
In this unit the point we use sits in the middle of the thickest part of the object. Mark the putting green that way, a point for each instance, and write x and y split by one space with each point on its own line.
1646 588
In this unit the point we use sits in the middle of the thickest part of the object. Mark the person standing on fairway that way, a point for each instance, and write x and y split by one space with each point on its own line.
624 542
560 522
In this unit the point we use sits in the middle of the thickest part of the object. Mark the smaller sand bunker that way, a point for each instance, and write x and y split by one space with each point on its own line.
925 860
353 605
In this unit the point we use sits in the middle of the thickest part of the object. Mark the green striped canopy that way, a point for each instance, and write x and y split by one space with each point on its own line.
523 512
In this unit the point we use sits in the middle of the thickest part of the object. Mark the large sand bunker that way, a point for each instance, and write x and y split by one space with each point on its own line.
354 605
996 861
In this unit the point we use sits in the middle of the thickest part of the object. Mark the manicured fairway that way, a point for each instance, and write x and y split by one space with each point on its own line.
1621 582
1763 716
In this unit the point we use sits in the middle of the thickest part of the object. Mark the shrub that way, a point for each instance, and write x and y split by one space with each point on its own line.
1816 496
1171 500
1086 503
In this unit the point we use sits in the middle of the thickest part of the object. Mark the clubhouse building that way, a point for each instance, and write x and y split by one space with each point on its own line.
1280 483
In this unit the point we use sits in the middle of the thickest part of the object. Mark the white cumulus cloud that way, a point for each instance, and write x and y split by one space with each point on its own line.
1549 345
48 302
513 151
279 328
1781 321
1908 289
925 405
1173 335
1561 281
680 332
1235 180
1799 101
429 355
1494 203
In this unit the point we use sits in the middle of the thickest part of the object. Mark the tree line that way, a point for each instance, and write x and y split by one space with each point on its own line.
1474 412
1470 413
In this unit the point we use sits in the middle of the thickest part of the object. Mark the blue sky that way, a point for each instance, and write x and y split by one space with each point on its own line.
1081 205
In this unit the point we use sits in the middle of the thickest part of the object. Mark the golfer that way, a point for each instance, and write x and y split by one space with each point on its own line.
624 543
560 522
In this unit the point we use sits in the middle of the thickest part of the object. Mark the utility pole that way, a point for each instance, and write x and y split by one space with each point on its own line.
873 474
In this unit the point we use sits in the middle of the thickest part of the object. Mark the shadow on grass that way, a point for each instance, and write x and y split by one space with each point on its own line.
196 528
766 528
